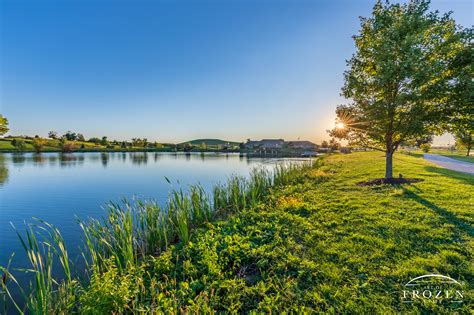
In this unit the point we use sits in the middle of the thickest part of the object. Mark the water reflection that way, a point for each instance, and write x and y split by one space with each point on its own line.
139 158
70 159
18 158
3 171
104 157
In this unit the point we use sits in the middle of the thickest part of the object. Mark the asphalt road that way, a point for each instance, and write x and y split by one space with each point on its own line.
449 163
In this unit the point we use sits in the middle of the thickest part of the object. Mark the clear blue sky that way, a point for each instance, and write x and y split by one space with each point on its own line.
178 70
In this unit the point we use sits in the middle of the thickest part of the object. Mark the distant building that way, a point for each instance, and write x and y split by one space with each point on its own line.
275 146
265 144
301 145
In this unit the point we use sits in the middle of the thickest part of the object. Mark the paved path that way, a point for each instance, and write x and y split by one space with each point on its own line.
450 163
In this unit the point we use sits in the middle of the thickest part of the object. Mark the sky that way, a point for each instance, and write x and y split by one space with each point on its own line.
172 71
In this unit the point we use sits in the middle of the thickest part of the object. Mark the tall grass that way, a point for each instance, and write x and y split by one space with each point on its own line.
46 293
130 231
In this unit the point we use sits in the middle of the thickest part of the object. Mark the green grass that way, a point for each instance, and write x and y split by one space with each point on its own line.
313 241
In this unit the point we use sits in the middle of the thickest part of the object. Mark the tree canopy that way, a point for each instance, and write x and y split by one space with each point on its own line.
401 77
3 125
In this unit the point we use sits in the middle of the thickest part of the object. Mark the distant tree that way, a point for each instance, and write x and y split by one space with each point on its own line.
399 77
425 147
464 139
70 136
80 137
52 135
136 142
428 139
20 144
104 141
123 145
94 140
334 145
144 142
3 125
38 144
324 144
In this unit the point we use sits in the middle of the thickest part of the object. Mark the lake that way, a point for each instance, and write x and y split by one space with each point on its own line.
60 187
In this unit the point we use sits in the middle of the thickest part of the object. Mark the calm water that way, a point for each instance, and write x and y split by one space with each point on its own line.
57 187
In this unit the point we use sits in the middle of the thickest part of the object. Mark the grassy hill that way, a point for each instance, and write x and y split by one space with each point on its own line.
211 142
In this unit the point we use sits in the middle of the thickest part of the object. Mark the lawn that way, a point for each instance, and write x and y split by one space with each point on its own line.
328 245
318 244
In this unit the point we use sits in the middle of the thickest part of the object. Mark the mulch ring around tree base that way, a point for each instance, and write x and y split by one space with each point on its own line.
389 181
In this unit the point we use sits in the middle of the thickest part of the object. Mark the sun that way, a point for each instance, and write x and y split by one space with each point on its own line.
340 125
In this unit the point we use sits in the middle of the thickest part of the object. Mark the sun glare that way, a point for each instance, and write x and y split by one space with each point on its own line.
340 125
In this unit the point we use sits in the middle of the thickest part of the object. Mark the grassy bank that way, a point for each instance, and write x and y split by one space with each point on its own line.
10 145
305 239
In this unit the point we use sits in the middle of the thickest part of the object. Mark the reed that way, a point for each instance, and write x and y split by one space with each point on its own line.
46 293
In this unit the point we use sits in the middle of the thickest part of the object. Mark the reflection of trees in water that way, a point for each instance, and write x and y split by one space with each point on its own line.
39 159
104 158
18 158
157 156
124 156
68 159
3 171
139 158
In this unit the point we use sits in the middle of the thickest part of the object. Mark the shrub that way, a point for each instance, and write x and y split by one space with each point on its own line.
20 144
38 144
425 147
68 146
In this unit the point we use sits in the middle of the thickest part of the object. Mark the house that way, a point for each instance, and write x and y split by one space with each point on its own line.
265 144
301 145
280 146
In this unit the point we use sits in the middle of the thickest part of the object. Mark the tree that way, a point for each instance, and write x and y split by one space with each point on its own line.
398 77
104 141
461 121
80 137
94 140
52 135
464 138
425 147
324 144
38 144
334 145
70 136
19 144
3 125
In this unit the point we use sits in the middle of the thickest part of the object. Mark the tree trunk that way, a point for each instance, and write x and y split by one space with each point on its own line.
388 165
469 146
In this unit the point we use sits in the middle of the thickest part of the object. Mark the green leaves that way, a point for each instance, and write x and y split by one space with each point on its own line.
3 125
402 75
